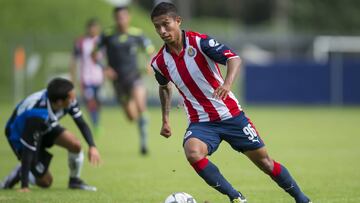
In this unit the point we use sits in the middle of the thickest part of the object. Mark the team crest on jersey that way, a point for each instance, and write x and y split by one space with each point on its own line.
191 51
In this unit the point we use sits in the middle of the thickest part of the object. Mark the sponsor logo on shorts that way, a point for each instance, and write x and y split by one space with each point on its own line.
40 167
187 134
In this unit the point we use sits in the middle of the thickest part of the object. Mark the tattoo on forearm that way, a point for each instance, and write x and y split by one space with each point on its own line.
165 99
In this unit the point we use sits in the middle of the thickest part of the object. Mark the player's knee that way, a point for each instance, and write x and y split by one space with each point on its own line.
75 146
132 116
193 155
92 105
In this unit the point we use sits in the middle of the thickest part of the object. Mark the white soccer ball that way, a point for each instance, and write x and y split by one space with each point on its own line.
180 197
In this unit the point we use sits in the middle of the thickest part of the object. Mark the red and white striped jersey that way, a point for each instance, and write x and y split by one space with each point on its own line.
91 73
196 75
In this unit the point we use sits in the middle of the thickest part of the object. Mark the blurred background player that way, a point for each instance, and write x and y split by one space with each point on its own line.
121 43
34 126
189 60
90 73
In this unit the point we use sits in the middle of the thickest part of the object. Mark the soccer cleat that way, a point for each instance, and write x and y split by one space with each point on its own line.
240 199
144 151
304 200
77 183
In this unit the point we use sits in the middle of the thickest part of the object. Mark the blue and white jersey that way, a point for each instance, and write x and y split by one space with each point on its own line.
36 110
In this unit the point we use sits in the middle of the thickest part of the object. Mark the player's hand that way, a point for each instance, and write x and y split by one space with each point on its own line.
165 130
94 156
110 73
25 189
221 92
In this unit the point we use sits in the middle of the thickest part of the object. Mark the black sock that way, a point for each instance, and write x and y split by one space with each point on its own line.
212 176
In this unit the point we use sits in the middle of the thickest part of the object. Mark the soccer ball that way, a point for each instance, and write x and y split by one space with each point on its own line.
180 197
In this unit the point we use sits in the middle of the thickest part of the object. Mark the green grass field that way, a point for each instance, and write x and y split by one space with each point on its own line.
319 145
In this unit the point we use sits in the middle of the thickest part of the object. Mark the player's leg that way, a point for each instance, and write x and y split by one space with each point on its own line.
130 109
123 95
12 179
198 144
67 140
90 94
243 137
39 174
139 97
277 172
44 181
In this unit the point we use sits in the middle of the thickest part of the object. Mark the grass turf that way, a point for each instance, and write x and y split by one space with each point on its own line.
319 146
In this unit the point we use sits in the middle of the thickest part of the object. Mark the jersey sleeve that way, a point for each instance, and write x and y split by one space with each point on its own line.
142 40
74 109
27 157
85 130
146 44
162 80
218 52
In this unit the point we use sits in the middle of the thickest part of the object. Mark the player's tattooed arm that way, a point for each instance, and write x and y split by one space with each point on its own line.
165 92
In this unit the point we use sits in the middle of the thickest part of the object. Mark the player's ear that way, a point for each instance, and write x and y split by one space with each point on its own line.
178 20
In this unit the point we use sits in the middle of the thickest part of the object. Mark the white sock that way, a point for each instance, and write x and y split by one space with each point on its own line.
75 164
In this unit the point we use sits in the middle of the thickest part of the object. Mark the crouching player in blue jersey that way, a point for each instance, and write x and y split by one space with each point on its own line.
33 127
189 60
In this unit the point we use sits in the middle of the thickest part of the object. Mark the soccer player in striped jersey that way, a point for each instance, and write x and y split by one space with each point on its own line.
189 60
91 73
34 126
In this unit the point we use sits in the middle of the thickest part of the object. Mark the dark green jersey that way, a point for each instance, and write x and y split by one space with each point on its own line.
121 49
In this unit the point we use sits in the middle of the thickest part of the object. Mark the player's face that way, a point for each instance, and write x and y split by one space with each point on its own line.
71 97
168 28
94 30
122 18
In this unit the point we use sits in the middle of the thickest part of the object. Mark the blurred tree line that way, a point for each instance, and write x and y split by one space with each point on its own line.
308 16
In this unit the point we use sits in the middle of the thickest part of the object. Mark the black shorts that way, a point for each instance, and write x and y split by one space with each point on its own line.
42 156
49 138
124 86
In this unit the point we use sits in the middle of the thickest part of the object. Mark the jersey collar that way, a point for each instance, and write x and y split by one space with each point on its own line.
50 111
183 32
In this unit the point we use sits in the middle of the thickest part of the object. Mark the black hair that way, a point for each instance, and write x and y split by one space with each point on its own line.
164 8
58 89
120 8
91 22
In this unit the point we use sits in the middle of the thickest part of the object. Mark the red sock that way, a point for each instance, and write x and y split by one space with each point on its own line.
200 165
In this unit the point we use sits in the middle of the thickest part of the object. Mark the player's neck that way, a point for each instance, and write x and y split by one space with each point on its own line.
177 46
55 107
122 29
